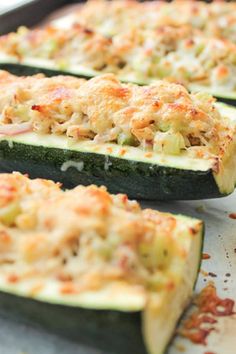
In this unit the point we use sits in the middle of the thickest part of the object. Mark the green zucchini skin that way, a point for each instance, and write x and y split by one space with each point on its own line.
25 70
227 101
137 179
100 331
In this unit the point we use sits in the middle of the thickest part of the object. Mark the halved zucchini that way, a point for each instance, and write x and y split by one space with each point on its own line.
221 93
157 177
134 312
125 169
153 142
31 66
29 69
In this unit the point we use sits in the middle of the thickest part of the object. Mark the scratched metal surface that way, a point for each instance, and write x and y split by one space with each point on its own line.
220 243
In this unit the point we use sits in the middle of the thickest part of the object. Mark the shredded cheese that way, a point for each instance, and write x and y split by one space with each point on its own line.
162 117
82 239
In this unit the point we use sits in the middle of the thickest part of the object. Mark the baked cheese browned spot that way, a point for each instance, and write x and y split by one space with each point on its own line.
47 234
112 17
139 55
162 117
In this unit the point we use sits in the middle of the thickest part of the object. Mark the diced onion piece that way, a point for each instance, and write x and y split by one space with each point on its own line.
9 213
14 129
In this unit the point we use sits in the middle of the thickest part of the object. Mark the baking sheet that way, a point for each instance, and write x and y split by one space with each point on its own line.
220 244
25 12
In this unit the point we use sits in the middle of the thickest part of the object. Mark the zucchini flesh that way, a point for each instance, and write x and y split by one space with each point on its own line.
161 177
167 178
35 66
26 70
105 322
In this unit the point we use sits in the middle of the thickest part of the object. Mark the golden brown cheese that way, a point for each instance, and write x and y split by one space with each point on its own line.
79 45
162 117
56 235
177 53
139 55
112 17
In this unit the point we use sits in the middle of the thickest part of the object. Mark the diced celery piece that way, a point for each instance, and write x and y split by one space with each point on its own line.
169 142
50 46
158 255
199 48
164 126
127 139
22 112
62 64
9 213
163 70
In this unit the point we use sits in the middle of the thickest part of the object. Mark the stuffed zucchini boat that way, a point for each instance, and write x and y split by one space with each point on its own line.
151 142
141 56
113 277
216 19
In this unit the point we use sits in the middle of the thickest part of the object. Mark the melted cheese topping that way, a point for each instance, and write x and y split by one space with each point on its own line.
136 54
47 234
113 17
77 46
162 117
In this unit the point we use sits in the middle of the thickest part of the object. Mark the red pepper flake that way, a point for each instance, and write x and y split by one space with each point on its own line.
37 107
205 256
201 323
232 216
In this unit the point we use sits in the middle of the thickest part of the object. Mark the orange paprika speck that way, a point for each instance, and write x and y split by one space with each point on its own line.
12 278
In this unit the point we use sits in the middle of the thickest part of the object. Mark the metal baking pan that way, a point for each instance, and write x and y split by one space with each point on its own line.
220 243
26 12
